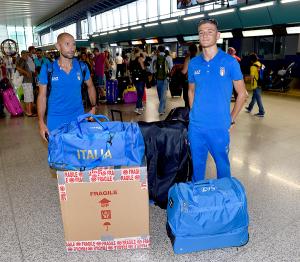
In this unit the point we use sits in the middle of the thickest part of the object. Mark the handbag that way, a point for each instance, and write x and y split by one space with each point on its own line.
84 145
130 95
17 79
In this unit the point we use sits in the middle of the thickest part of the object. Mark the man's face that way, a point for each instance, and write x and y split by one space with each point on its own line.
39 54
67 46
208 35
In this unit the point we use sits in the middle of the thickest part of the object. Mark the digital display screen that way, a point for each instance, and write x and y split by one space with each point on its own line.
181 4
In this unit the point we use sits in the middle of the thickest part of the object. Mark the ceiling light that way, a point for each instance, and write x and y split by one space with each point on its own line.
104 33
170 39
191 38
94 35
220 41
113 44
226 35
151 41
256 6
169 21
259 32
123 30
293 30
138 42
288 1
193 17
152 24
135 27
222 12
113 32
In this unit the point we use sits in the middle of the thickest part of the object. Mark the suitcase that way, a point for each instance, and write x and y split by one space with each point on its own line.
176 81
168 157
123 82
208 214
130 95
111 91
179 113
11 102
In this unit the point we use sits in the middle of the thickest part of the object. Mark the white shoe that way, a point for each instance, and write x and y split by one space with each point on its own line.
137 111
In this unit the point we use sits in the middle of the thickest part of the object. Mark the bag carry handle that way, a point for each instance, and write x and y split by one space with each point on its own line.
95 117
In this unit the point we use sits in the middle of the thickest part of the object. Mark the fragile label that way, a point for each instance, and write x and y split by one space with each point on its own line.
116 244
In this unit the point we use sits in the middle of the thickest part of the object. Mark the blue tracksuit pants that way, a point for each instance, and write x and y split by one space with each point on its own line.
214 141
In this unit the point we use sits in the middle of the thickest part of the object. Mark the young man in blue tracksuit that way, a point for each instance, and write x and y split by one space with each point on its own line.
210 78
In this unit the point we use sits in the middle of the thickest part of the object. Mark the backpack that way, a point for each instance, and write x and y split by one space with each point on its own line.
260 79
161 69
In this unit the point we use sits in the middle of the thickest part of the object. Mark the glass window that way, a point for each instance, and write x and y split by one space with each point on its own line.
164 9
152 10
132 13
3 33
71 29
29 36
104 21
117 18
45 39
94 24
174 11
11 30
142 11
124 15
192 10
98 23
110 20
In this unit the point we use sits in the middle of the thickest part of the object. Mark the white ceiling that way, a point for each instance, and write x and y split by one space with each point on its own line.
31 12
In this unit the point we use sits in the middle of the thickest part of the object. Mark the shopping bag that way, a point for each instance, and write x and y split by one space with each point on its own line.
84 145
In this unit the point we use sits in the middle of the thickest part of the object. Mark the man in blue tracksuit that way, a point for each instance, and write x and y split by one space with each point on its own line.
210 78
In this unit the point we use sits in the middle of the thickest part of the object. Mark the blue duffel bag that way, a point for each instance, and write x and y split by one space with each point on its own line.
84 145
208 214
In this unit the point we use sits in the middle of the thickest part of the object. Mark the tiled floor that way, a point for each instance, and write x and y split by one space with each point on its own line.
265 155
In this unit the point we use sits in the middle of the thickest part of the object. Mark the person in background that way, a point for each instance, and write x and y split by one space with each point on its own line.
256 96
138 78
211 77
162 67
119 62
193 50
231 51
39 60
9 66
99 62
64 103
23 68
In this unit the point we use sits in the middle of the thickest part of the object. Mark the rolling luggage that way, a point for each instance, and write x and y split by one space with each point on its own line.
111 91
11 102
168 158
130 95
179 113
123 82
176 81
208 214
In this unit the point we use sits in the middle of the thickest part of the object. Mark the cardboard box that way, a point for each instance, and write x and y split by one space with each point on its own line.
105 208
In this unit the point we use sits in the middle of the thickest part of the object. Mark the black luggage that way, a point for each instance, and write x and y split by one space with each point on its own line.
177 80
179 113
123 82
168 157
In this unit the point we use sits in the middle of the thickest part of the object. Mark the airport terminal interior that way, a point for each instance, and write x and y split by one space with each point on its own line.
264 151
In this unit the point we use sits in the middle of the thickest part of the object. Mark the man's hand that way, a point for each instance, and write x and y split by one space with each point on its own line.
44 132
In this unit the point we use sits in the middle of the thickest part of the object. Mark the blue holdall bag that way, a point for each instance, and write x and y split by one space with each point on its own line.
208 214
84 145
